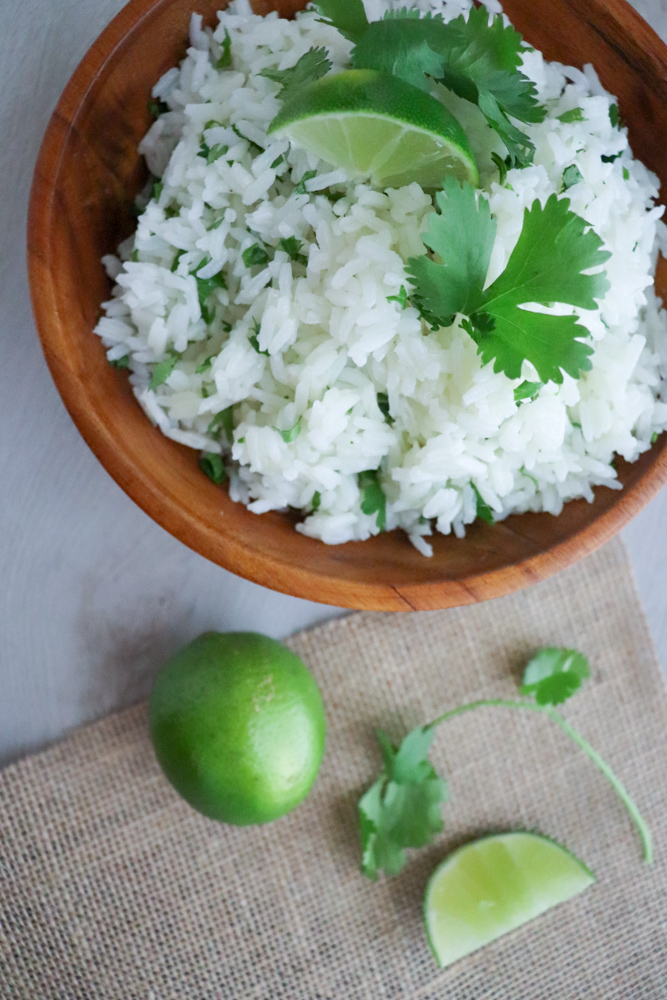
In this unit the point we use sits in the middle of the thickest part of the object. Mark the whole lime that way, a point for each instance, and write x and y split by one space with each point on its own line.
238 727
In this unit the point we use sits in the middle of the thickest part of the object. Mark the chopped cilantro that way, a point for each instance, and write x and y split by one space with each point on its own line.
254 338
292 433
278 160
177 257
255 255
312 65
292 246
316 501
222 421
654 436
135 256
157 108
163 370
554 248
383 406
123 362
615 116
527 390
571 175
205 365
158 188
612 158
253 145
301 186
524 472
373 499
349 17
575 115
225 59
401 298
171 211
484 512
205 286
477 59
626 174
211 464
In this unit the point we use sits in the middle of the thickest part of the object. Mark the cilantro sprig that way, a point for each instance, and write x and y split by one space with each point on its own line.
476 57
402 809
546 266
312 65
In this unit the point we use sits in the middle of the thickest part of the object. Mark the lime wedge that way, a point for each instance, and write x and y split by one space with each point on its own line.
492 886
378 128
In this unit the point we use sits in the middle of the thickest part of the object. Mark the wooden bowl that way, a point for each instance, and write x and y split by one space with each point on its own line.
87 176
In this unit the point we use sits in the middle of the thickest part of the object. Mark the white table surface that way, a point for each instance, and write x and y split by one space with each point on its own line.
95 595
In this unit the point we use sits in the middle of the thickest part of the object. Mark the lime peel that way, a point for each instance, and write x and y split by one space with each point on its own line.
377 127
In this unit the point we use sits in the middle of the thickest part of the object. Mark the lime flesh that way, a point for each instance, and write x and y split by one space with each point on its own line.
237 724
377 127
494 885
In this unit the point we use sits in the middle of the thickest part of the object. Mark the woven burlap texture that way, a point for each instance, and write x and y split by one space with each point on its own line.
111 888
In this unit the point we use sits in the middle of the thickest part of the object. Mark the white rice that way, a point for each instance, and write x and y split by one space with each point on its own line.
330 339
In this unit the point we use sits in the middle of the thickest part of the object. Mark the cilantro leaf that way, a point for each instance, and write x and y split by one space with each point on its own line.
316 501
292 433
348 16
383 406
527 390
205 365
121 363
373 499
225 59
476 58
312 65
255 255
401 298
211 464
402 808
462 235
572 175
555 674
292 246
554 248
158 108
574 115
163 370
615 116
484 512
301 186
222 421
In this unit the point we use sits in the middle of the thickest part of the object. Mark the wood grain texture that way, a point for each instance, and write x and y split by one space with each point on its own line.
87 176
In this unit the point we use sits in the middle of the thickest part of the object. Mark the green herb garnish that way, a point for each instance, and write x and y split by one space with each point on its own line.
211 464
401 298
292 434
121 363
615 116
502 167
255 255
546 265
477 59
484 512
316 501
158 188
373 499
312 65
292 246
572 175
157 108
403 808
253 145
575 115
383 406
177 257
278 160
527 390
225 59
222 421
301 186
349 17
163 370
205 365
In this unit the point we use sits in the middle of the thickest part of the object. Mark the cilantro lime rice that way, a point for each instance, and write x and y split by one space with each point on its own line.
265 311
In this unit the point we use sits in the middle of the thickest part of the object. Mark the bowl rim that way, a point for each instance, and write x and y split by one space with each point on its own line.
165 509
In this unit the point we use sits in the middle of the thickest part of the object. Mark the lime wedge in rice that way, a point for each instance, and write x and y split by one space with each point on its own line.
377 127
494 885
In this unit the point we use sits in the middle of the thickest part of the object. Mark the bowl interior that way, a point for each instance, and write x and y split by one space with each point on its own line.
87 176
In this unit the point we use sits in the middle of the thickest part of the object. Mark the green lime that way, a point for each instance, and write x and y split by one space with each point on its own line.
492 886
238 727
378 127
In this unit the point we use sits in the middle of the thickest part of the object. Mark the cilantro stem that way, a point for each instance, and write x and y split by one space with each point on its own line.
619 788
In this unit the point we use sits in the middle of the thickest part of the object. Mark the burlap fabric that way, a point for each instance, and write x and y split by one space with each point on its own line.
112 888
